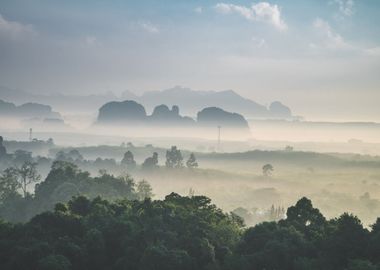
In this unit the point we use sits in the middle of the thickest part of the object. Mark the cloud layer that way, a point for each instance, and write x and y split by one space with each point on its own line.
262 12
14 30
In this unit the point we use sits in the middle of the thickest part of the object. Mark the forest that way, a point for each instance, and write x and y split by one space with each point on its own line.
74 220
184 232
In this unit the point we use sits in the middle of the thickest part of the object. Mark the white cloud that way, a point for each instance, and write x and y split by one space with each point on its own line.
330 39
198 10
346 7
14 30
149 27
263 12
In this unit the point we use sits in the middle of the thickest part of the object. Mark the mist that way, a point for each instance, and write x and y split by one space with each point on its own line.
190 135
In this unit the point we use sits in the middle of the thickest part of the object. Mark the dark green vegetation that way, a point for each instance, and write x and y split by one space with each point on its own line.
74 220
184 233
63 181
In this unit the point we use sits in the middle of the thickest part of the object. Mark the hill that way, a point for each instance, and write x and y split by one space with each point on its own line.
130 111
190 101
27 110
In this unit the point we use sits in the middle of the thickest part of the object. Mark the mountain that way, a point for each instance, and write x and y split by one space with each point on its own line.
130 111
213 116
190 101
125 111
61 102
27 110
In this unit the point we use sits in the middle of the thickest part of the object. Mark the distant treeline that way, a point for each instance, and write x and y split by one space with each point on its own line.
64 181
187 233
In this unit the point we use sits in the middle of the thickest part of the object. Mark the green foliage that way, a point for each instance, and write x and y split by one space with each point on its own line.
64 181
176 233
361 265
174 158
54 262
144 190
27 175
8 183
126 229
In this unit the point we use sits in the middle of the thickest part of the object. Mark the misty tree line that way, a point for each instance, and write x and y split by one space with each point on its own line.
174 160
187 233
65 180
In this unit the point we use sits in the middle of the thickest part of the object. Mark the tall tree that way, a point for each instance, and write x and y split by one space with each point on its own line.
174 158
3 150
150 162
27 175
144 190
192 163
9 183
129 160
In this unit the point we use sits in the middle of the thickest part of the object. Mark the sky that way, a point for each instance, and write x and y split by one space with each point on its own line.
320 57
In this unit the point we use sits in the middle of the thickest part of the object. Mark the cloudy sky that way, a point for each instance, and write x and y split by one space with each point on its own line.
322 58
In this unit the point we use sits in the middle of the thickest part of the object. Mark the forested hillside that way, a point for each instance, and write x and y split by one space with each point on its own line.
184 233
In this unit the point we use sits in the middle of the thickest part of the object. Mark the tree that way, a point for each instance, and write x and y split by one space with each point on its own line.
21 156
80 206
3 150
150 162
144 190
54 262
9 183
192 163
75 155
268 170
128 160
348 240
304 217
361 265
27 175
174 158
289 148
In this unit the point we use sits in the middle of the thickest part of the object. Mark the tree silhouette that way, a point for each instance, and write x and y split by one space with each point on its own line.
128 160
192 163
27 174
3 150
144 190
174 158
9 183
151 162
268 170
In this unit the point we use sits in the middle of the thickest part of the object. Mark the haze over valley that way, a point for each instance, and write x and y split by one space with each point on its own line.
194 135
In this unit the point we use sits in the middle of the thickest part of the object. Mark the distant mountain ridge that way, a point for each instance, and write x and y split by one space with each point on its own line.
190 101
27 110
130 112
